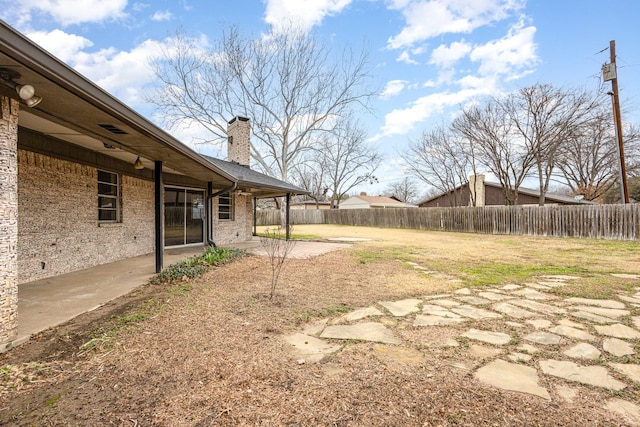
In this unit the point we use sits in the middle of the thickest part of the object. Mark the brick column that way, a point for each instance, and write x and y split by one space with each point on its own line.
8 222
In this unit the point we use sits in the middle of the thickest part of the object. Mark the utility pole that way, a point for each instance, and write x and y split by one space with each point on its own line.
610 73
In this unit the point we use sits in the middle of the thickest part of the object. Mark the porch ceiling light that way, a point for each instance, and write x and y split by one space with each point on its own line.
138 164
26 92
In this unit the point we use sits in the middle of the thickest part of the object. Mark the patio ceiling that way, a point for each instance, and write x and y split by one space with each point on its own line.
75 110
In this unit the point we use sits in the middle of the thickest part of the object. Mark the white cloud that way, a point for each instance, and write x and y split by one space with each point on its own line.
404 57
403 121
121 73
161 15
445 56
430 18
62 45
393 87
511 55
68 12
306 13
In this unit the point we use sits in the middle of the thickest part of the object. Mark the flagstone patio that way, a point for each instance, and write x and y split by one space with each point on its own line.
509 329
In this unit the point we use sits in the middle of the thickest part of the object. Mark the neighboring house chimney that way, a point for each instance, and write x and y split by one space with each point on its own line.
239 141
476 187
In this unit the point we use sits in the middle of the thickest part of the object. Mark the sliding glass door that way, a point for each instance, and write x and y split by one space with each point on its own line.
183 216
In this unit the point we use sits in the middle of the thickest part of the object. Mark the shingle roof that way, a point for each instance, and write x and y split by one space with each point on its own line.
258 183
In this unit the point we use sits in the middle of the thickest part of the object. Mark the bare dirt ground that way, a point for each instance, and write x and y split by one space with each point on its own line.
209 352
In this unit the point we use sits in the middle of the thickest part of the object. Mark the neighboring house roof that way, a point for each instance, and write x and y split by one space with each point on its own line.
378 201
259 184
77 111
549 197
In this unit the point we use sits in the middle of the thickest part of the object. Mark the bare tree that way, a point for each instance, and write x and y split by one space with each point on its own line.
278 250
345 159
286 82
443 161
311 177
544 118
405 190
489 132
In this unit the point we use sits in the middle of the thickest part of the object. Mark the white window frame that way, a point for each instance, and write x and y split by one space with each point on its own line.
230 214
115 198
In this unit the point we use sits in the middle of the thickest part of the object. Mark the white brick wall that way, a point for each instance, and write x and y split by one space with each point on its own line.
58 229
239 230
8 220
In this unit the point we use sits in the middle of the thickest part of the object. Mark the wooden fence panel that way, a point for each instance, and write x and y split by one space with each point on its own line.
615 222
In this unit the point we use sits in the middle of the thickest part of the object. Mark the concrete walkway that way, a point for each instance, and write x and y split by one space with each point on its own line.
512 336
52 301
49 302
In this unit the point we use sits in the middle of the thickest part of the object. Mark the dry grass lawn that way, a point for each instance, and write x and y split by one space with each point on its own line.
209 352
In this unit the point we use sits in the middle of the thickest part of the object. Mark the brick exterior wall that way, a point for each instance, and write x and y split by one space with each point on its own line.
238 230
58 229
8 221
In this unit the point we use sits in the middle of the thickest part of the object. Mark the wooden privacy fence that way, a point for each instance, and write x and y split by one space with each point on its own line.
615 222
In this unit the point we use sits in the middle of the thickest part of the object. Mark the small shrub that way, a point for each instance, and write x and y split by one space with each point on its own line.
196 265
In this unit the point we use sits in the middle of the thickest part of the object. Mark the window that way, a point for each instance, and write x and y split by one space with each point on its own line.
225 207
108 197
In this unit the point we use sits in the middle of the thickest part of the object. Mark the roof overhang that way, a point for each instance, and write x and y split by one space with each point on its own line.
77 111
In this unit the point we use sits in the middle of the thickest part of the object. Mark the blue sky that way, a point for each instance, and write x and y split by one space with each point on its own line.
429 57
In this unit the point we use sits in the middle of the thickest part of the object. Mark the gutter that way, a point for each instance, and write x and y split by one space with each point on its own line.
209 202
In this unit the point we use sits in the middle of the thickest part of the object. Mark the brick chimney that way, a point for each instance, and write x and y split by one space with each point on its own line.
239 140
476 187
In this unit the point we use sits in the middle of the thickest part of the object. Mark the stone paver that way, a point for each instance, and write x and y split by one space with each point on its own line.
520 357
360 314
633 300
584 327
475 312
626 276
570 332
532 294
494 296
591 375
497 338
473 300
567 322
617 331
436 310
538 306
583 351
447 303
628 369
539 323
604 303
512 310
370 331
528 348
402 307
400 354
484 352
512 376
592 317
617 347
629 411
315 328
309 349
606 312
544 338
430 320
567 393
